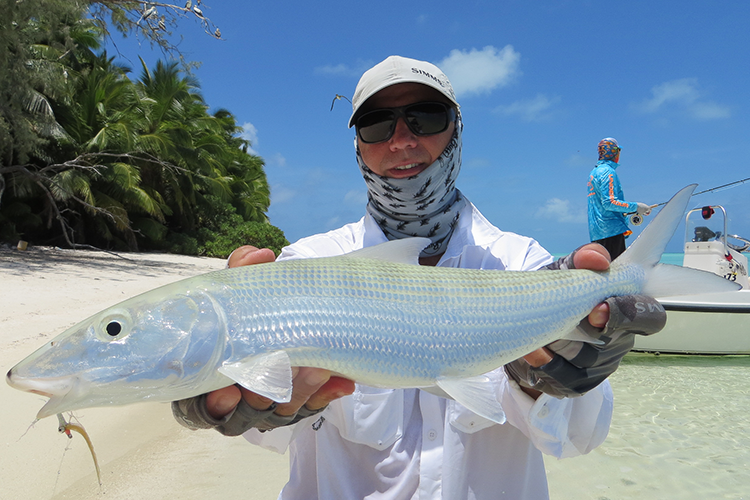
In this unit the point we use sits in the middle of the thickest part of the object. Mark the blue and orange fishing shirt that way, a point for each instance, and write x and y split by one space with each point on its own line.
607 207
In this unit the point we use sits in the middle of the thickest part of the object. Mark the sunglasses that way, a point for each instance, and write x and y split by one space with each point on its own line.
422 118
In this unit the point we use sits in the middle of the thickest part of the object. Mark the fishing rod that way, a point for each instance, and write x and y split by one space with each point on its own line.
637 219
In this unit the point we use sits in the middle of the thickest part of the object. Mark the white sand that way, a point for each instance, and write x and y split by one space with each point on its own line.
143 453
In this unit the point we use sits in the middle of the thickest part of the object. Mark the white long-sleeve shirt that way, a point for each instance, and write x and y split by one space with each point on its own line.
410 444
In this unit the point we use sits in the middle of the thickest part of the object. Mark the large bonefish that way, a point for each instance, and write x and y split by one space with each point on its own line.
372 316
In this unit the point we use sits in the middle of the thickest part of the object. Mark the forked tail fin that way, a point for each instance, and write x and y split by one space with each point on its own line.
662 279
646 250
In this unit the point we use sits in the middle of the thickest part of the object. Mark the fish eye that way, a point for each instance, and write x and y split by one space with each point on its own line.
114 328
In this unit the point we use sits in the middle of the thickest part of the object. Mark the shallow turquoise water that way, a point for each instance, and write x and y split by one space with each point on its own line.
680 430
672 258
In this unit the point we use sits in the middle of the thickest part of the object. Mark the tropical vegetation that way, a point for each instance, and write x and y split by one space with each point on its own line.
91 156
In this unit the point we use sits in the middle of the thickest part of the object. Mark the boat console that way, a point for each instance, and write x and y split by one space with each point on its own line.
707 248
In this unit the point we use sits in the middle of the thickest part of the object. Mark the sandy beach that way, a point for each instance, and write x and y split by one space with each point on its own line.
142 451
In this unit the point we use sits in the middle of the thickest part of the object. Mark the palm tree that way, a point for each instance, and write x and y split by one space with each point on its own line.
204 147
250 186
117 162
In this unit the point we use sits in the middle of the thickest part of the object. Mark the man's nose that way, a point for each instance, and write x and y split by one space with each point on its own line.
403 137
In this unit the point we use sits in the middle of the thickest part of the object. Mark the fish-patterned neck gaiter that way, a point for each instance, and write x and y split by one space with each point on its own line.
426 204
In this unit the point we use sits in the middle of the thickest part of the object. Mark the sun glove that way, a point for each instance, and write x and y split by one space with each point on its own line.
577 367
643 209
192 413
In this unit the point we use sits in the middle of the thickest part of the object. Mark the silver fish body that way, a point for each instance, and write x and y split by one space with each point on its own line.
380 323
397 325
368 316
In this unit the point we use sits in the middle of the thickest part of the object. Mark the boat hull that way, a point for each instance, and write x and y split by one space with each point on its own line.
702 324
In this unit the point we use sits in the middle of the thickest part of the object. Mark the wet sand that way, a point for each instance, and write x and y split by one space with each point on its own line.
142 451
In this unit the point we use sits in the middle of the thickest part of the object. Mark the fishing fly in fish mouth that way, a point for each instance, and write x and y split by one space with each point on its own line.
68 428
455 327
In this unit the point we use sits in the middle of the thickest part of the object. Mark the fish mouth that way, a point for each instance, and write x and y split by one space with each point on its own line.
56 389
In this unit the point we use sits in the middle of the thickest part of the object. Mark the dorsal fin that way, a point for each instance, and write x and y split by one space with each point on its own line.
403 251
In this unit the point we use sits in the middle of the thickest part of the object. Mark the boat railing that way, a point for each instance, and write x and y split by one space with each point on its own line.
708 249
703 233
739 248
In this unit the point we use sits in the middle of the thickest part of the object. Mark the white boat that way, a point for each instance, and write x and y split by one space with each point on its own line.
717 323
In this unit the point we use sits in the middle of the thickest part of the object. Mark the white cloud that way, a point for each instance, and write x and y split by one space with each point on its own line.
281 194
560 211
250 133
481 71
477 162
354 71
276 160
531 110
356 197
682 94
577 159
709 111
682 91
333 222
333 69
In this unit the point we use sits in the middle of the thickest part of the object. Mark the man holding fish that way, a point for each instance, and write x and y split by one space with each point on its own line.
370 442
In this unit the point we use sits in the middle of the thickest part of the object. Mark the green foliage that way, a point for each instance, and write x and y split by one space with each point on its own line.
114 162
223 230
237 233
16 214
182 244
33 34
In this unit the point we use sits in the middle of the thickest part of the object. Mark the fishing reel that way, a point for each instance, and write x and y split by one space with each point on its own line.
636 219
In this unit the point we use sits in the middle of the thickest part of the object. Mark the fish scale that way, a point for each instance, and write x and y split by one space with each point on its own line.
359 313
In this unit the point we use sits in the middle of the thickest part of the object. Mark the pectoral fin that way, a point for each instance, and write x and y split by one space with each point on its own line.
478 394
436 391
269 375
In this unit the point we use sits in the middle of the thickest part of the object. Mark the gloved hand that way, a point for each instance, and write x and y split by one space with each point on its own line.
577 367
643 209
192 414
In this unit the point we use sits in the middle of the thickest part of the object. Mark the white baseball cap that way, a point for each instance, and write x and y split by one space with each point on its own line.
397 69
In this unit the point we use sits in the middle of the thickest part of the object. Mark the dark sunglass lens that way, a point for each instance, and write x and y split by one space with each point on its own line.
375 126
428 118
424 118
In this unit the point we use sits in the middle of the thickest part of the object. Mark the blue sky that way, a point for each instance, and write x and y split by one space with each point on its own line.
539 83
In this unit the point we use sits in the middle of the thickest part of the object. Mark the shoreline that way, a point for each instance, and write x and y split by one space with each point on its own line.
142 451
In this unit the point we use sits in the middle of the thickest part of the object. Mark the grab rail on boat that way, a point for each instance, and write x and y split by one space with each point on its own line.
738 248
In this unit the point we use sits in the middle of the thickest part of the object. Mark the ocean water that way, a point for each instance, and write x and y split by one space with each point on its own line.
680 430
672 258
